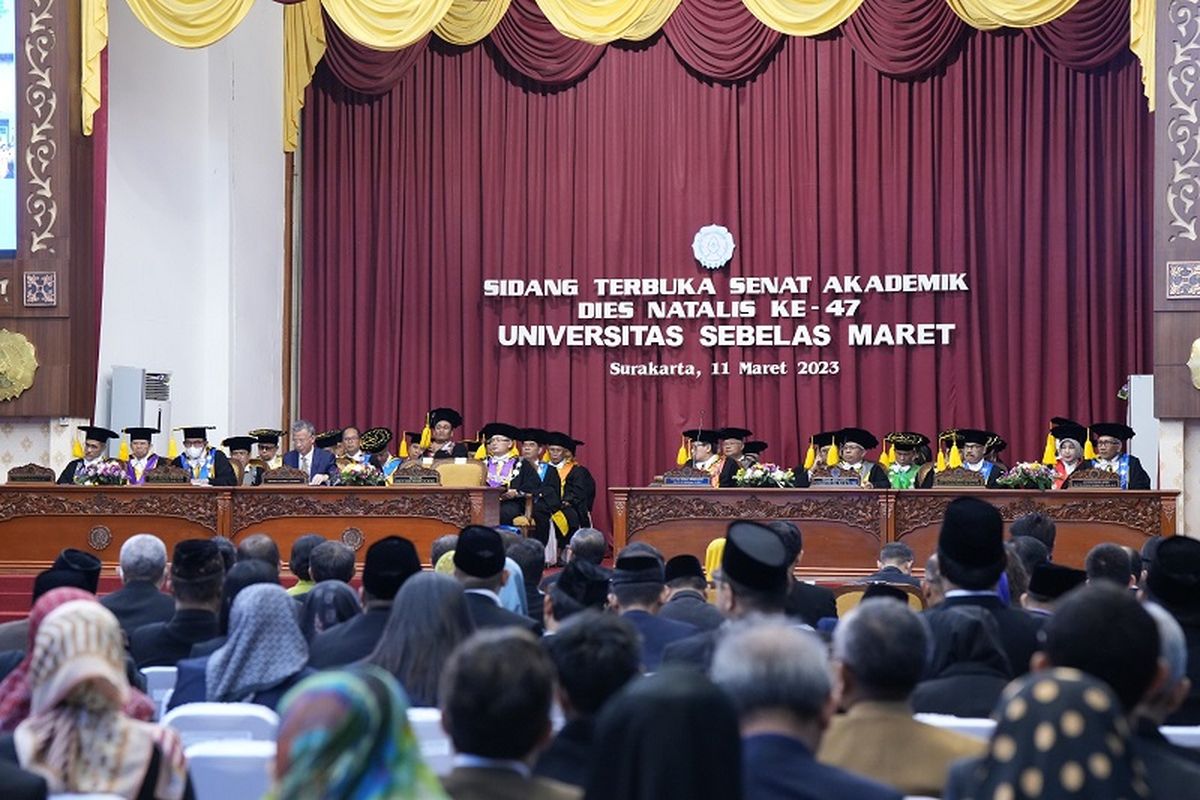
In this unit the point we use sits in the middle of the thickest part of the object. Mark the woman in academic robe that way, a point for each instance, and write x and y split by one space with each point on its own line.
1069 437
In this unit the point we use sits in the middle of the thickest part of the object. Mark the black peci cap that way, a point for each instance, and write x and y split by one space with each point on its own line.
684 566
637 568
479 552
1052 581
754 556
389 563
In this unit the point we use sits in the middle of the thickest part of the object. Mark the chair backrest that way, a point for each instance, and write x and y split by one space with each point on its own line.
464 475
1182 735
435 744
160 682
849 595
231 770
975 728
85 796
205 722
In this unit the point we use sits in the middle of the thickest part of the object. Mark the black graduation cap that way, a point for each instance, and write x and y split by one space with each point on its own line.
239 443
859 436
374 440
754 447
92 433
824 438
1052 581
1068 429
266 435
560 439
755 556
706 435
973 436
906 440
437 415
996 445
196 431
1117 430
328 438
734 433
500 429
638 568
140 434
534 435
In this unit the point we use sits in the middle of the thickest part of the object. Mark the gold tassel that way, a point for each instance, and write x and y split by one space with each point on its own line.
1050 452
941 459
810 457
683 455
172 448
546 456
426 435
76 448
480 452
1089 452
833 456
404 444
891 454
123 451
955 456
513 452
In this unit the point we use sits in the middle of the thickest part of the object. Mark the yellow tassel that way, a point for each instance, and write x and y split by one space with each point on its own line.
891 454
480 452
1050 453
76 448
941 459
513 452
426 435
123 451
683 455
1089 452
404 444
955 456
810 456
546 456
833 456
172 448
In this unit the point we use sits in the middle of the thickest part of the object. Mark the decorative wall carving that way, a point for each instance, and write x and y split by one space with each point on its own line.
99 538
1183 120
253 508
1137 513
353 538
855 510
41 148
200 508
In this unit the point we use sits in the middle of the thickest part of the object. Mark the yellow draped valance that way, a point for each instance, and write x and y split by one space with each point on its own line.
393 24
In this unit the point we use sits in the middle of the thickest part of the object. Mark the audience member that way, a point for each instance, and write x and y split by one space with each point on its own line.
298 563
586 544
971 558
260 547
21 784
1102 630
637 592
479 567
1050 583
1060 734
16 689
496 694
331 561
228 551
70 568
894 565
1149 548
1031 551
1167 695
142 569
327 605
805 601
512 591
780 682
530 556
669 736
1135 566
580 585
77 736
753 579
346 735
933 588
968 668
390 562
879 652
239 576
1039 526
1108 562
428 619
595 655
264 656
197 575
687 601
1173 580
1015 581
441 546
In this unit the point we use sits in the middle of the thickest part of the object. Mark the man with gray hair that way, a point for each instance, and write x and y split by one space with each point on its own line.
1165 698
319 464
779 679
586 544
142 569
879 652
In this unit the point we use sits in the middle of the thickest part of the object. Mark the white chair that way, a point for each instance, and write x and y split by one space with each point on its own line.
206 722
975 728
234 770
1182 735
435 744
159 681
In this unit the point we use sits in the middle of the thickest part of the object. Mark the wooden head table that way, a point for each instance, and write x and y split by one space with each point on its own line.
39 520
845 528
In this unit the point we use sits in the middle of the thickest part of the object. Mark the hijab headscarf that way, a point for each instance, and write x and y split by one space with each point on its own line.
670 736
445 564
325 605
344 735
77 736
1060 734
15 690
265 645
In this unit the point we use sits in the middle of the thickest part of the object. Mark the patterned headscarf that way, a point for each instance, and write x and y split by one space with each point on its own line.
325 605
1060 734
77 736
265 645
345 735
445 564
15 689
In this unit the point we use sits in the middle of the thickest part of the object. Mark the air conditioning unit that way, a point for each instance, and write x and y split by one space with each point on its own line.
141 399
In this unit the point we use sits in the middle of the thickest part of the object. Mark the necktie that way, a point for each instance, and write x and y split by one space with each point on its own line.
304 465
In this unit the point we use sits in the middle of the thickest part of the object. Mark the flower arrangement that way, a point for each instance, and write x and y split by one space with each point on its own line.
768 475
106 473
1028 475
361 475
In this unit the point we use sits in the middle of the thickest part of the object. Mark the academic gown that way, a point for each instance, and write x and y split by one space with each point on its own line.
578 497
728 469
67 476
547 496
876 477
990 479
1138 477
152 461
222 470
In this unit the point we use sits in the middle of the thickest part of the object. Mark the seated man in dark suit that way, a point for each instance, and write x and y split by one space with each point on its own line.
197 575
782 727
971 557
496 696
319 464
595 655
143 565
688 602
806 602
637 593
390 562
259 547
1173 580
895 565
479 567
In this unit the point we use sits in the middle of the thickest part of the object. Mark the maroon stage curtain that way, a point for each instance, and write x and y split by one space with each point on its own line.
362 69
905 38
720 39
1032 178
533 47
1088 36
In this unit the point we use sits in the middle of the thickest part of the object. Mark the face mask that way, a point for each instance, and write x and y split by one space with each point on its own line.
194 452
